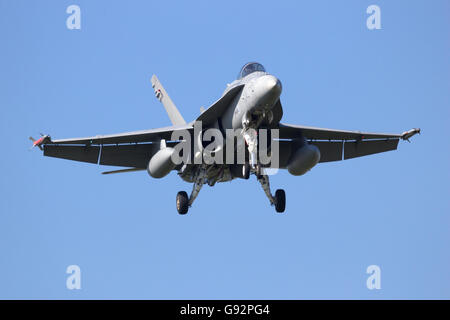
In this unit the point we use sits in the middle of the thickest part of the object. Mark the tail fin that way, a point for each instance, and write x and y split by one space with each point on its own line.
161 95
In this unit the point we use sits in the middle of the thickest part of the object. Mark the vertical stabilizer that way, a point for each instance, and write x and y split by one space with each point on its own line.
161 95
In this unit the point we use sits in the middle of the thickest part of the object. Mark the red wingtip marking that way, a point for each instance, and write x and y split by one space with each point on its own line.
37 142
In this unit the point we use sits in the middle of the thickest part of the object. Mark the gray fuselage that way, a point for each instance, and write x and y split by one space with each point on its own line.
257 99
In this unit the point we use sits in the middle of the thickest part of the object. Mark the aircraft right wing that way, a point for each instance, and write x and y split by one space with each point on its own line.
337 144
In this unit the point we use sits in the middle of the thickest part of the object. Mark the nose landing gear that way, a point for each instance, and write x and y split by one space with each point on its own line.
251 139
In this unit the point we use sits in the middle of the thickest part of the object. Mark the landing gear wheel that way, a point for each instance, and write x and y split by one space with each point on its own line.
246 171
182 202
280 200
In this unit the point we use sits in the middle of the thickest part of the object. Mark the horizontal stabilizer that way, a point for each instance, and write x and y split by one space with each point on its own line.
122 171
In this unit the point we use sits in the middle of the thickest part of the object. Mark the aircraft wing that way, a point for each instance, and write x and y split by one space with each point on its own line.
335 145
151 135
129 149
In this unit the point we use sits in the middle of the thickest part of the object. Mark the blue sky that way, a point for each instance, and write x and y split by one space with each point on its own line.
391 209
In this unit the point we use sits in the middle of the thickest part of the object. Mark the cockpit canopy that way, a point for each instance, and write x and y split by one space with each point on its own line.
250 68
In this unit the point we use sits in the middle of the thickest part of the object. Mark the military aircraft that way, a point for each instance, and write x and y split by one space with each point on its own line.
251 102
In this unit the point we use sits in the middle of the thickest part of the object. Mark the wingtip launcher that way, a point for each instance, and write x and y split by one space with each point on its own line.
408 134
39 142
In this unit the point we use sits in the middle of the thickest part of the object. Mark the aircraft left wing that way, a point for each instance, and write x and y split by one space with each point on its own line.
151 135
129 149
337 144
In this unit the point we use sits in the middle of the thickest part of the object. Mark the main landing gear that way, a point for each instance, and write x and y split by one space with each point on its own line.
183 201
279 199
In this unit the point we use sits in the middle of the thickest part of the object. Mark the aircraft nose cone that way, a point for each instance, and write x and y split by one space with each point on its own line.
266 92
273 84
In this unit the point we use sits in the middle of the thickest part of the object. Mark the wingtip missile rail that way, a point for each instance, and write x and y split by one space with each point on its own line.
39 142
408 134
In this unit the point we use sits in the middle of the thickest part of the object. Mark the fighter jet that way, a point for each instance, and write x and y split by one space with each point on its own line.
248 105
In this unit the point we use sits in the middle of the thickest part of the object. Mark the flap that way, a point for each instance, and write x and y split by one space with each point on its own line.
329 150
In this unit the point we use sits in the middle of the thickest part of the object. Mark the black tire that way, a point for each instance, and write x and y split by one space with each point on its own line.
246 171
182 202
280 200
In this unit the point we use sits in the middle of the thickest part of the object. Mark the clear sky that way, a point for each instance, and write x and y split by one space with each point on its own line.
123 231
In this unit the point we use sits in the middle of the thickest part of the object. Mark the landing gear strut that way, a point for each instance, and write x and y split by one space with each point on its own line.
279 200
251 139
246 171
183 202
